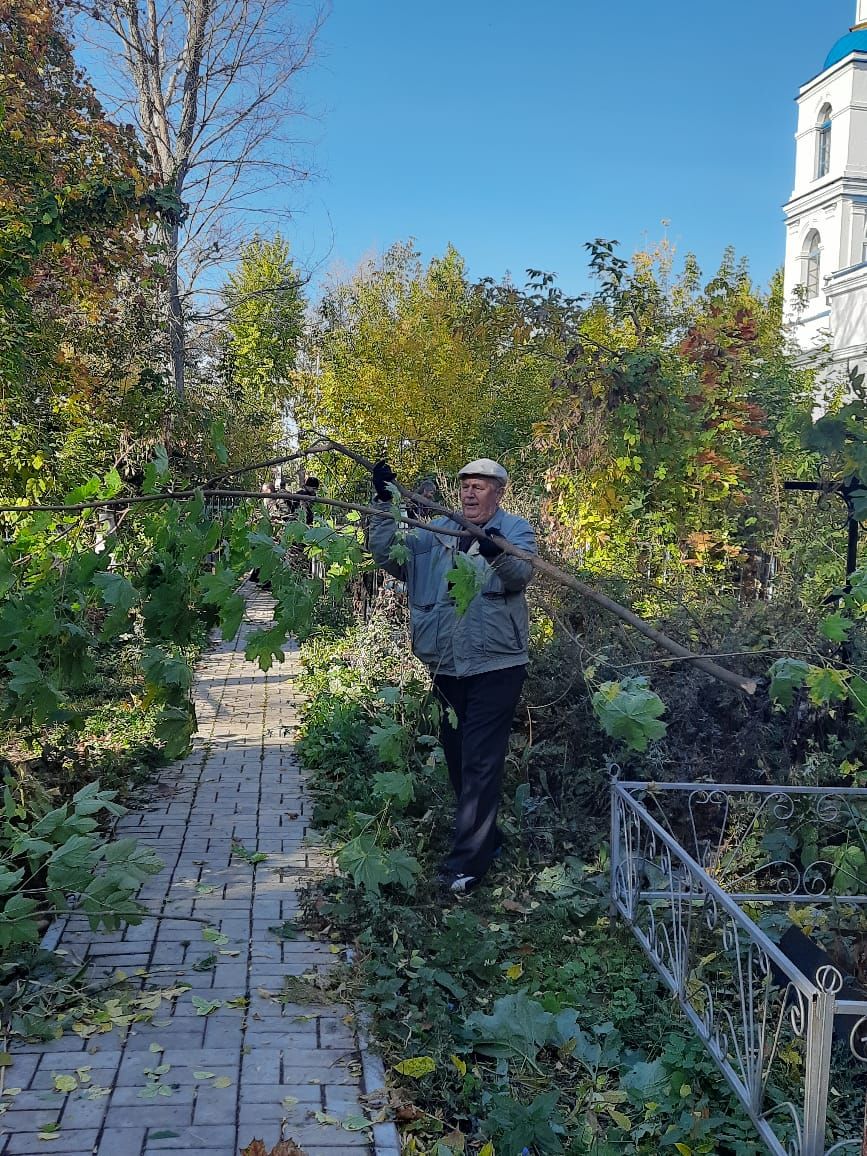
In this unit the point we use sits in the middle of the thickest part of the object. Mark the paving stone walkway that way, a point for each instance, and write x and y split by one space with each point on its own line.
260 1069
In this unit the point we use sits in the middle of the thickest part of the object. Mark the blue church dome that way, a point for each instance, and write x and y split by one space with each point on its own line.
855 41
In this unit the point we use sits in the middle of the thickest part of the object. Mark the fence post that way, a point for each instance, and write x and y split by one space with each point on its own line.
615 848
820 1027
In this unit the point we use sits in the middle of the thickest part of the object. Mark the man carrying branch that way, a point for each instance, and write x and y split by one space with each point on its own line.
477 659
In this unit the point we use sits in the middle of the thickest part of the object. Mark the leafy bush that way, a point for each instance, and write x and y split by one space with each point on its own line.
520 1018
58 861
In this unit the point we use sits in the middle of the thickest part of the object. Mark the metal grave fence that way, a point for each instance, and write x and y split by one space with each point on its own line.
717 883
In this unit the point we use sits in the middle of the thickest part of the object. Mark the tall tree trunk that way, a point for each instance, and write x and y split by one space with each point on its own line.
177 332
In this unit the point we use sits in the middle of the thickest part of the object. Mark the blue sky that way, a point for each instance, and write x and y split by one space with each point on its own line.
517 131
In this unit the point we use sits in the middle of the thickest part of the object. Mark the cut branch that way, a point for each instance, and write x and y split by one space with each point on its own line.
702 662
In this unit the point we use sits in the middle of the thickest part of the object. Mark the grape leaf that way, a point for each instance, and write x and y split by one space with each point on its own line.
628 710
364 861
394 785
265 646
464 582
827 684
836 627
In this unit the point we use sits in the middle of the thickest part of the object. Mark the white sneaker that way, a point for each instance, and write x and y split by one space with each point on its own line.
461 884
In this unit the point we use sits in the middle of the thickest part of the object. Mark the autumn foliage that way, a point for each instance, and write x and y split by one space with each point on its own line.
74 264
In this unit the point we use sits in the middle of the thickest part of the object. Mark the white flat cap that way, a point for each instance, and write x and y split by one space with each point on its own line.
484 468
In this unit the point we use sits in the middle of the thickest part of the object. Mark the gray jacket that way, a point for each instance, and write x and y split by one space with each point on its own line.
493 633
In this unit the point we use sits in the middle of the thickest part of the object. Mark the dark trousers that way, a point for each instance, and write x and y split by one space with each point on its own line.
475 753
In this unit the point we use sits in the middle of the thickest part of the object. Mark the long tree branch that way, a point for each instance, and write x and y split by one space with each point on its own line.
721 673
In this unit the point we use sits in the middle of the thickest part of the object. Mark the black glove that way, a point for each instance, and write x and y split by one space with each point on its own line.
383 474
488 547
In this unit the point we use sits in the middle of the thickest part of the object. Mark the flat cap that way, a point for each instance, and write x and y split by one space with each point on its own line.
484 468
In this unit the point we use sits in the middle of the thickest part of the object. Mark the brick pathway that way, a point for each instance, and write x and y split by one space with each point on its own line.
238 1072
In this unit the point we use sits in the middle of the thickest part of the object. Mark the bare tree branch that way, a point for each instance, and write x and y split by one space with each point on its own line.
211 86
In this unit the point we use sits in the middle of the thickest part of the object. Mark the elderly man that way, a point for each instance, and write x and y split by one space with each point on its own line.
478 660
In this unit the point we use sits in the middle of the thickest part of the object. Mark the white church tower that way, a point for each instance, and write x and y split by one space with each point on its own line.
826 218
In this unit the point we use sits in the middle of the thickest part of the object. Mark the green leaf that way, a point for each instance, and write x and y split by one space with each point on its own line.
264 646
394 785
365 862
204 1007
858 696
464 581
120 594
517 1028
218 441
389 741
628 710
836 627
416 1066
827 684
355 1124
787 676
646 1081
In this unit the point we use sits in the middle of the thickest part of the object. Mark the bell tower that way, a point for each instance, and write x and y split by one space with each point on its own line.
826 217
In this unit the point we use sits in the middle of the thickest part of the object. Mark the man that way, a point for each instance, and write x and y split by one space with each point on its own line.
478 660
309 490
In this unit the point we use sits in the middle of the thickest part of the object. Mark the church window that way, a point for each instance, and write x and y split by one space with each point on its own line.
823 142
811 259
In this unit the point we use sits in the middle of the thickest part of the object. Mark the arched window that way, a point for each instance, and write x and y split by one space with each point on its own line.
823 142
810 261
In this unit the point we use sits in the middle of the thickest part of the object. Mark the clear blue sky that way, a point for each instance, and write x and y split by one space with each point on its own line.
517 131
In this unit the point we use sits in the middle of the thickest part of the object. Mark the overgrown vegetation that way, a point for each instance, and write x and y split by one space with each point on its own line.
648 427
521 1018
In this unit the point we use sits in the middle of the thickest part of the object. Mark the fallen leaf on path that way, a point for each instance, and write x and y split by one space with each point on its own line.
325 1119
204 1007
283 1148
356 1124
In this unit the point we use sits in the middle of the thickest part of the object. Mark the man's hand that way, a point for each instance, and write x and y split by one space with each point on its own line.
383 475
488 547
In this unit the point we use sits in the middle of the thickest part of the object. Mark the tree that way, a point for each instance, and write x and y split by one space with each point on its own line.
411 362
74 272
671 416
246 382
210 86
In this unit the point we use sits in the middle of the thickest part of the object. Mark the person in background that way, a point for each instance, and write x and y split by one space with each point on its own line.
427 488
272 508
478 660
309 489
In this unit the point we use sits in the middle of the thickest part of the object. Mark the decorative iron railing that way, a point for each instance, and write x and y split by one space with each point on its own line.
699 872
